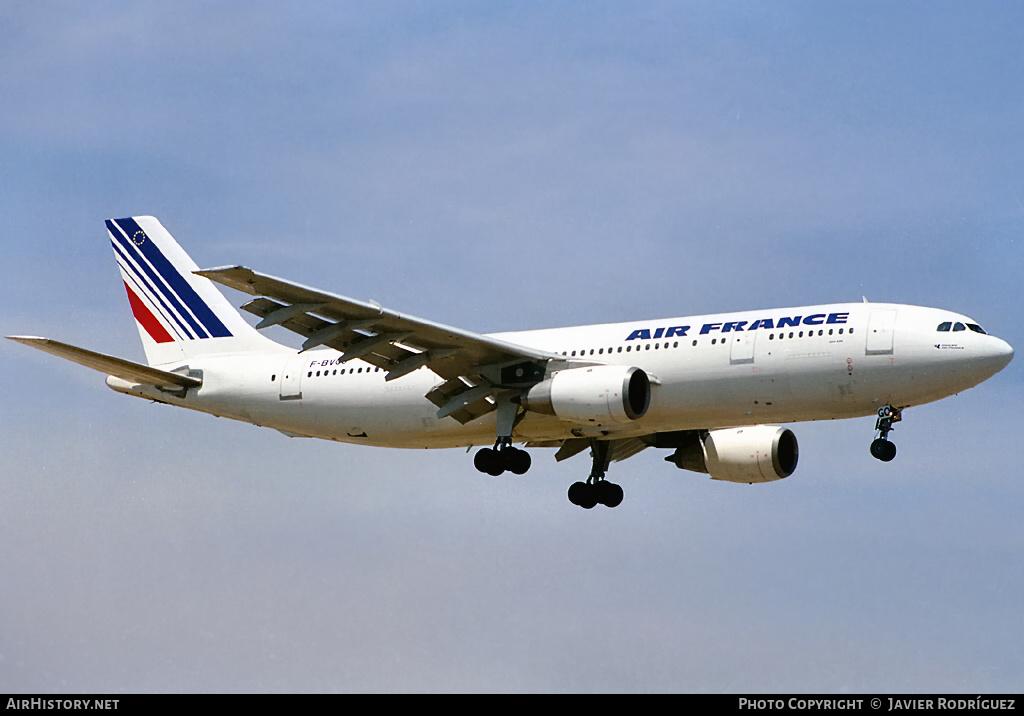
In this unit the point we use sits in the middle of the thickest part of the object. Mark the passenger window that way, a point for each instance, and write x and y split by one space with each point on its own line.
959 326
945 326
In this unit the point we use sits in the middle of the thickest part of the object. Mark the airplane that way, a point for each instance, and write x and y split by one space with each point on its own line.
713 389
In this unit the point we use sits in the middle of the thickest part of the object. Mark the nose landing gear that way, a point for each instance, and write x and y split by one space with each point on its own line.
881 448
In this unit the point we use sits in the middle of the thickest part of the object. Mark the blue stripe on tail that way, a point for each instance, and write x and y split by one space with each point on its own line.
178 289
146 287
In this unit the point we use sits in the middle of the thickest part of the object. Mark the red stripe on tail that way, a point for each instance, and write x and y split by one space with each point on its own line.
147 320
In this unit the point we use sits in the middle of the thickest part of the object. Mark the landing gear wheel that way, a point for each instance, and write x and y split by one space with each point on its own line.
608 493
495 461
602 492
883 449
583 495
518 461
489 461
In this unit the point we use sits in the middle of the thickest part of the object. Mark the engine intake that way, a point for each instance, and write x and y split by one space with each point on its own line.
597 395
755 453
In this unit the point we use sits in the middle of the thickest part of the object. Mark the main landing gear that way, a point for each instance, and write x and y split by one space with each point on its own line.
596 489
881 448
503 456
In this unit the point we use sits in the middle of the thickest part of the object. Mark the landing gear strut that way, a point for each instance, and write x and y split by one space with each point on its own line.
881 448
503 456
596 489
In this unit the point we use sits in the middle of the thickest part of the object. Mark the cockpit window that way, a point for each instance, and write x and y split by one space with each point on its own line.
947 326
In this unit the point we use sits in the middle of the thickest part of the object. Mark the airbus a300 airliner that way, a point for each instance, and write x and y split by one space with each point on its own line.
712 389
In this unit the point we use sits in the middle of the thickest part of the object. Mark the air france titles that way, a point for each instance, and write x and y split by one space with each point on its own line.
815 319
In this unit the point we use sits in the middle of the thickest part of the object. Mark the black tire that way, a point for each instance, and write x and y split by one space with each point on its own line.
876 446
576 491
583 495
518 461
489 461
883 450
482 459
888 452
609 494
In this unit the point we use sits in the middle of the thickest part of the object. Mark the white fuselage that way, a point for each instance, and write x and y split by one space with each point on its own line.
751 367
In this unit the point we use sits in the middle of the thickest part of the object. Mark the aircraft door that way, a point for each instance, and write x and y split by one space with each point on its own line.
741 349
291 380
881 327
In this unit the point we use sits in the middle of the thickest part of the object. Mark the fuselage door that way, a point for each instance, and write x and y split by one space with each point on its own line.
881 327
741 349
291 380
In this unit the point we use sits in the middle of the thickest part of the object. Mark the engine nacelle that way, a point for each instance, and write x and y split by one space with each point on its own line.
756 453
597 395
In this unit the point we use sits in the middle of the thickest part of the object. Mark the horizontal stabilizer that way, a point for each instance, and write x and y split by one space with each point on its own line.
119 367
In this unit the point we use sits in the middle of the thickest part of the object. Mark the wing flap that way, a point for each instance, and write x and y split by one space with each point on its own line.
626 448
619 449
118 367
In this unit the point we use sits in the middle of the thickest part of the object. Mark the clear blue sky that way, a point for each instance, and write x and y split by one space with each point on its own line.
500 166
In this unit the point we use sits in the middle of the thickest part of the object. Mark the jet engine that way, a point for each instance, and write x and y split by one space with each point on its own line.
594 395
755 453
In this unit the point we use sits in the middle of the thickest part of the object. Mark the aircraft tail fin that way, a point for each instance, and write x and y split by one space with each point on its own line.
178 313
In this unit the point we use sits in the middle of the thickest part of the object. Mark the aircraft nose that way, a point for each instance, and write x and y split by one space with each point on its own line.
1005 351
999 353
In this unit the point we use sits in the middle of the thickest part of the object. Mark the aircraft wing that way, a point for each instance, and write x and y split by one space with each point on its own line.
119 367
474 367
